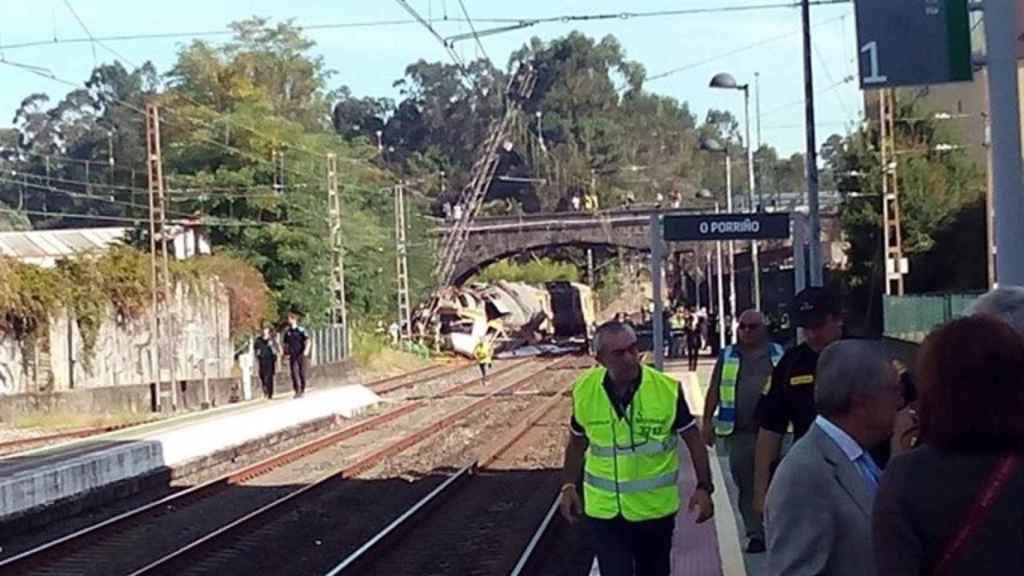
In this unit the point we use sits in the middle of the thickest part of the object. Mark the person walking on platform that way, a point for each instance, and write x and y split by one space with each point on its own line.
266 357
693 342
679 321
789 399
297 346
484 354
742 372
622 445
818 509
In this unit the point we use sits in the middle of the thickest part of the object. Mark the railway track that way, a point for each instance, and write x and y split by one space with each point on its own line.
555 548
480 517
153 537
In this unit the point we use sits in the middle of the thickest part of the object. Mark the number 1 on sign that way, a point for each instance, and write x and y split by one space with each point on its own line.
872 50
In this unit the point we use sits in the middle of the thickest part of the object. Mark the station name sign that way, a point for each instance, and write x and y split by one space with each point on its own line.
697 228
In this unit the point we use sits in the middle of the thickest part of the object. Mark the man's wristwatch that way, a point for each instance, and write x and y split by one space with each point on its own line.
707 487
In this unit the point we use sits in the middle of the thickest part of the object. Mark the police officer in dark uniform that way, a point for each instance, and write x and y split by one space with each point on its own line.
297 346
789 399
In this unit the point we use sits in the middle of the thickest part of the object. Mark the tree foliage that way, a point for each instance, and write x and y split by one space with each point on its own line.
941 202
536 271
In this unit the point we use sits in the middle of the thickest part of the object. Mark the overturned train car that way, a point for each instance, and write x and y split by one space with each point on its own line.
513 315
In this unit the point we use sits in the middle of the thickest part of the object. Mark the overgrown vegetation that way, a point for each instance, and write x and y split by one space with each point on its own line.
535 271
91 286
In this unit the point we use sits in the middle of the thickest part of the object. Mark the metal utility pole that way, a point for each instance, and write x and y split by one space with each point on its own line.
159 274
812 152
732 250
402 264
721 296
891 226
757 101
1004 116
277 157
990 229
754 258
658 318
339 307
590 267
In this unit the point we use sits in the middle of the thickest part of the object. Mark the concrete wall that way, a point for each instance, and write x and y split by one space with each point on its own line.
198 340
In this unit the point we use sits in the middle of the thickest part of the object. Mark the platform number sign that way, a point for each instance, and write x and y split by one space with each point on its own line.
913 42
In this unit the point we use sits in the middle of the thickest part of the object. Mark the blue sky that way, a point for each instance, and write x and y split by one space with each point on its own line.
370 59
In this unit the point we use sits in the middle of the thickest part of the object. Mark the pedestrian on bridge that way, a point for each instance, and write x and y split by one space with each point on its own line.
626 421
265 347
297 346
741 374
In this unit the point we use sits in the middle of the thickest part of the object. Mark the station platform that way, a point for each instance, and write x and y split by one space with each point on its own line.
35 479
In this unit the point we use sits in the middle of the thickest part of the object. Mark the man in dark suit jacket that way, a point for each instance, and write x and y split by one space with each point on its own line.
818 508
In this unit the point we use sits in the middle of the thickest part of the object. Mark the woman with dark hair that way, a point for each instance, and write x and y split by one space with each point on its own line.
955 504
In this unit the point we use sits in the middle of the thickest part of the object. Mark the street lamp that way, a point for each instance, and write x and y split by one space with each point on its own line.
704 193
712 145
727 82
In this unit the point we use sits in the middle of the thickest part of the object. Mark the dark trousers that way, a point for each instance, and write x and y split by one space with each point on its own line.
633 548
297 365
267 366
692 350
483 370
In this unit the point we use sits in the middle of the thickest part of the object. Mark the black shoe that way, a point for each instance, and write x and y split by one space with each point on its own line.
755 546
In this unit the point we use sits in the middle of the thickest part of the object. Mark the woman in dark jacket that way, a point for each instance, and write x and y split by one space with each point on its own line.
955 504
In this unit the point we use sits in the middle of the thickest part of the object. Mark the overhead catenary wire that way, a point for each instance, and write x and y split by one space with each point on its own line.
472 29
451 52
566 18
92 38
723 55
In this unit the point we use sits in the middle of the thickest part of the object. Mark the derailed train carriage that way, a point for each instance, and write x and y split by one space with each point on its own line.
513 315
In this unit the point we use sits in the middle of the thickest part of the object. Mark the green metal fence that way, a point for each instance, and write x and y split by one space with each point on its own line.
912 317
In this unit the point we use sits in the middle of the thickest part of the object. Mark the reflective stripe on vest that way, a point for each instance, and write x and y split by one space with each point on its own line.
725 420
645 448
631 462
632 486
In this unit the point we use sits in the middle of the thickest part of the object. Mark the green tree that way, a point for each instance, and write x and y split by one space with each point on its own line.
941 195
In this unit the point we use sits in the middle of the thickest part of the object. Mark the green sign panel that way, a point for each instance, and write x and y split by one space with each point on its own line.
913 42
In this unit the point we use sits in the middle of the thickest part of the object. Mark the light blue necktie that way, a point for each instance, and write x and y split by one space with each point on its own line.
870 470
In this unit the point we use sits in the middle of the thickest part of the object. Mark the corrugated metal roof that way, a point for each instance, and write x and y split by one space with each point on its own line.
45 247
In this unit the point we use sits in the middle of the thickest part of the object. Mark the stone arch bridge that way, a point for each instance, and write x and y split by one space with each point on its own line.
495 238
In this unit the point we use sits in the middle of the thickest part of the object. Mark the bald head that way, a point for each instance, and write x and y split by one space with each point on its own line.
848 368
751 328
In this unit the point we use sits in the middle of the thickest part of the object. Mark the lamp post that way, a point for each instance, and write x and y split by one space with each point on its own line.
712 145
718 265
727 82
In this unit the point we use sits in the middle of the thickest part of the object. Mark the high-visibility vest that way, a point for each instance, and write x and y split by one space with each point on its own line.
631 463
482 352
725 421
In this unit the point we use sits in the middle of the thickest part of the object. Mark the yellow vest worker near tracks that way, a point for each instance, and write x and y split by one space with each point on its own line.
484 354
622 451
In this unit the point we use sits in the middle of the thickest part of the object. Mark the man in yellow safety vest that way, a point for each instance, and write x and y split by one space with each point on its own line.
741 374
622 444
484 355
